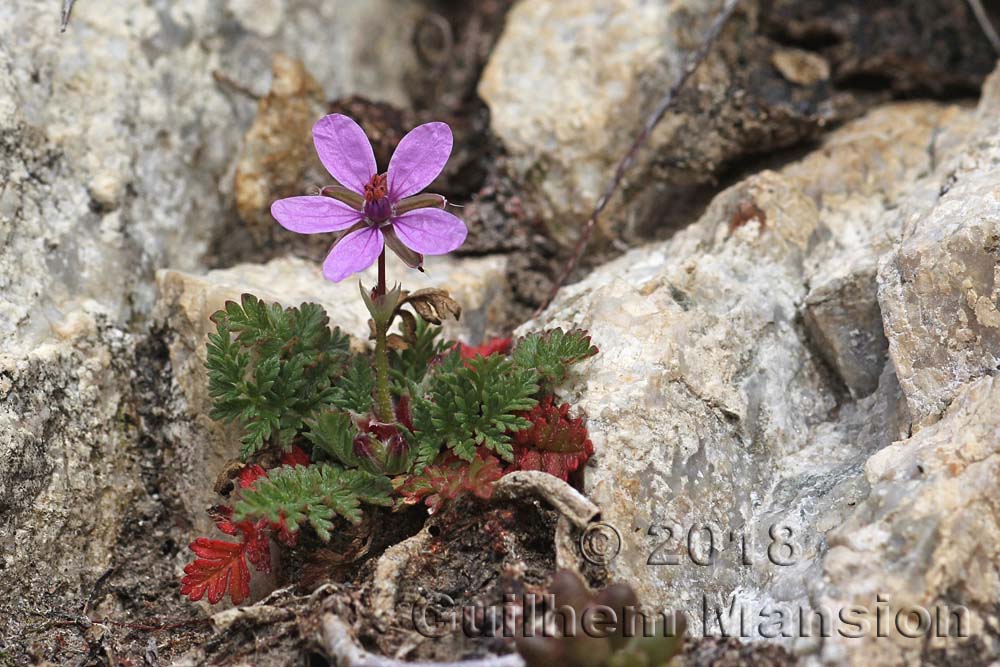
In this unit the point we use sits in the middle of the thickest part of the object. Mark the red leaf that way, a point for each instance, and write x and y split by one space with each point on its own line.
257 545
492 346
554 443
220 566
251 474
222 515
296 457
450 478
285 536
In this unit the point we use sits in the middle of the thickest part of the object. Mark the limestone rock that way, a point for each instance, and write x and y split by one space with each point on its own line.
278 148
728 454
865 180
938 290
478 284
844 319
926 540
68 443
117 141
703 384
569 86
116 152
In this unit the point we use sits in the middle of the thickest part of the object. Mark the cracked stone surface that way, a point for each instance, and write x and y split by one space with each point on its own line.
570 85
761 374
567 111
817 351
938 289
117 152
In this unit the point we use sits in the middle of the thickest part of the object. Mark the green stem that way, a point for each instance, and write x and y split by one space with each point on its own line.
383 400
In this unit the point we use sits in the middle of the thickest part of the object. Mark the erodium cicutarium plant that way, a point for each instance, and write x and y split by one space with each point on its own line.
329 433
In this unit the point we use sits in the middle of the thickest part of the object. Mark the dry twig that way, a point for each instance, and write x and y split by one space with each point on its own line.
66 10
985 24
693 61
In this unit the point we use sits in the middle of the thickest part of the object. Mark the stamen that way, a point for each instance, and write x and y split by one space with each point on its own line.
377 206
377 188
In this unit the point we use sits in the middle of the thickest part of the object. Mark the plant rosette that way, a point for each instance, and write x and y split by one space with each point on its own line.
327 433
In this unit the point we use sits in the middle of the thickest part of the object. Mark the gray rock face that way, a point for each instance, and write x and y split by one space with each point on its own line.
569 86
68 443
844 319
926 542
117 148
117 140
938 289
804 376
752 439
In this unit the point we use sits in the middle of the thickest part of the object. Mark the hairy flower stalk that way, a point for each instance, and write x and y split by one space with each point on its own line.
383 400
374 210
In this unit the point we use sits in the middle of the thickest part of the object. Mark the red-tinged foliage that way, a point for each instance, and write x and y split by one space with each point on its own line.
284 535
384 445
296 457
492 346
554 443
449 478
256 544
251 474
222 565
222 515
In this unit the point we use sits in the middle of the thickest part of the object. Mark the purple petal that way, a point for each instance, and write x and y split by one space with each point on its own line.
345 151
430 231
354 252
313 215
418 159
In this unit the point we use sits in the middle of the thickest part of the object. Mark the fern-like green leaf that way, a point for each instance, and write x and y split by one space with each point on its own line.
271 368
333 434
552 352
315 494
474 404
353 390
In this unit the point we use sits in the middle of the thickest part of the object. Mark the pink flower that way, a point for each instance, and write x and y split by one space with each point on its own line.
372 209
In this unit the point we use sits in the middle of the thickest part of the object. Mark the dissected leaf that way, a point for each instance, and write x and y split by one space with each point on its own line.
411 364
353 390
552 352
450 478
492 346
221 566
553 443
313 494
296 456
270 368
333 434
474 404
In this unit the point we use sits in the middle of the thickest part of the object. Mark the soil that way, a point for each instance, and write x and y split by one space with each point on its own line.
477 552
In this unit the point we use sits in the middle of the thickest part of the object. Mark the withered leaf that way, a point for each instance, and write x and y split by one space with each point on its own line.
434 305
408 325
397 342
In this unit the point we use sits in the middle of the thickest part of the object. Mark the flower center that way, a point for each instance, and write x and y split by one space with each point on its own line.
378 209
